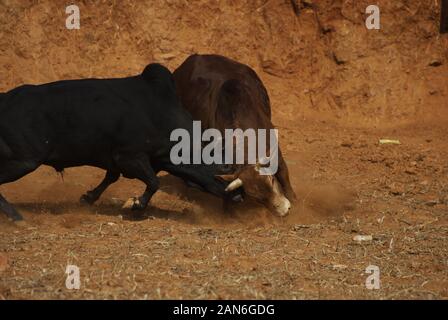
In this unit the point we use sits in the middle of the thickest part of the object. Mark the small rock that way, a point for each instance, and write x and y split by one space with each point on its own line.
300 226
389 141
339 267
346 144
362 238
410 170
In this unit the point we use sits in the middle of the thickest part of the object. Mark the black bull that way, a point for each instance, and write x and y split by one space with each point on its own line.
120 125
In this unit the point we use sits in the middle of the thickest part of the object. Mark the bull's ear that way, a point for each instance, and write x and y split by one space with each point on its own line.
226 177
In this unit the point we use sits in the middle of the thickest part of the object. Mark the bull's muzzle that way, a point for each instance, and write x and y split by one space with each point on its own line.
282 207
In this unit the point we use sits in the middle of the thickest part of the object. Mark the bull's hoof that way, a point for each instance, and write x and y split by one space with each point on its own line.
134 204
86 200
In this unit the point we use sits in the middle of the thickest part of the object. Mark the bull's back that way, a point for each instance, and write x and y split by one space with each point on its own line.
203 83
73 121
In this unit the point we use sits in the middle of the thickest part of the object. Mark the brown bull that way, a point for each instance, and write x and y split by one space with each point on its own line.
224 94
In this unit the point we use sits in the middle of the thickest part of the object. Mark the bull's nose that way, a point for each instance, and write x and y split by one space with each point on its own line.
283 208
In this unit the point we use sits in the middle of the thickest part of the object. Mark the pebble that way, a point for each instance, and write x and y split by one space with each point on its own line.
362 238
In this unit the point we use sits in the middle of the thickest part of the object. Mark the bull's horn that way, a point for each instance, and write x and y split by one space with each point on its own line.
235 184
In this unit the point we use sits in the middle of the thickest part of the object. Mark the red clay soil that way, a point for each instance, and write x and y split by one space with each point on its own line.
336 89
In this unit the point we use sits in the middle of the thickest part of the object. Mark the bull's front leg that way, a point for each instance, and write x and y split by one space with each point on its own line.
93 195
138 167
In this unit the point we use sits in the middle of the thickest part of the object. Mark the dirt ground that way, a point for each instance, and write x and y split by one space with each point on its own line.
336 89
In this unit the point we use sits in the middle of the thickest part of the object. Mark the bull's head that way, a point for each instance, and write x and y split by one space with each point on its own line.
264 189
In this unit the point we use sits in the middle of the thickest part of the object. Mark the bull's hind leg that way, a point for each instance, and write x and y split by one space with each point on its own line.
9 172
138 167
93 195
